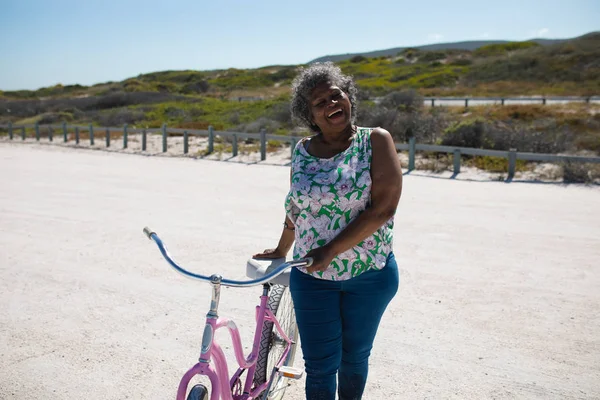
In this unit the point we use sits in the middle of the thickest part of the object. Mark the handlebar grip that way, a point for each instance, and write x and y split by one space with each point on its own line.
148 232
309 261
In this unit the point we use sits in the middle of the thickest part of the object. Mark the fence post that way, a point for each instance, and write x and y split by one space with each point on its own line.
588 99
50 133
501 101
512 163
164 138
456 161
91 135
234 149
211 139
124 136
432 102
411 153
107 137
263 144
23 132
10 132
76 135
544 101
185 142
37 131
65 132
466 103
144 139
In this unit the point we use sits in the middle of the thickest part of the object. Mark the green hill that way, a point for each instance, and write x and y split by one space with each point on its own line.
563 67
467 45
250 99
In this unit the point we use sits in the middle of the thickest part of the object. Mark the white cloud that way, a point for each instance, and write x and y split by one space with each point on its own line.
543 32
435 36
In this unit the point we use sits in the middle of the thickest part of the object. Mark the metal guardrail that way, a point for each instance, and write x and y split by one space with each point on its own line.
94 131
512 155
412 147
466 101
484 101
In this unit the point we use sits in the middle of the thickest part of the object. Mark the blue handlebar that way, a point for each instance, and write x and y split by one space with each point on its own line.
306 262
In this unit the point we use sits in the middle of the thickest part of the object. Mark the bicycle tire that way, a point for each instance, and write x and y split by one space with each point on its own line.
198 392
271 349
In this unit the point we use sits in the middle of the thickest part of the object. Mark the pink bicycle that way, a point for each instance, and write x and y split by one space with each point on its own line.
270 363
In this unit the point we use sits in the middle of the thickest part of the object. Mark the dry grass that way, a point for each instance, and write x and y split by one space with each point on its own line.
436 162
530 112
271 92
566 128
222 146
494 164
85 135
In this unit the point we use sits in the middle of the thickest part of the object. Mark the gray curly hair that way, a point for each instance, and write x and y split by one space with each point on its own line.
308 79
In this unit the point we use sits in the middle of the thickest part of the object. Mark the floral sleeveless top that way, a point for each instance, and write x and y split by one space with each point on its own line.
325 196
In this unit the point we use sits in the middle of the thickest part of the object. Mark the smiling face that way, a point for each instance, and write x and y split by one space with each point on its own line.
330 107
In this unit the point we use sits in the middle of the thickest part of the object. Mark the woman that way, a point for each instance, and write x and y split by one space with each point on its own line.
346 183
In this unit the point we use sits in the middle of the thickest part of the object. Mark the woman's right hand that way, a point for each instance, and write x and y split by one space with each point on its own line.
270 254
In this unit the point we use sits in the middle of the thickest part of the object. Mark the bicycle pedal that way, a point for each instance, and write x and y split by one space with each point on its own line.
291 372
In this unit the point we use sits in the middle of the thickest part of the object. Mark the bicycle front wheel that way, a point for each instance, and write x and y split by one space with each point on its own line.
198 392
272 345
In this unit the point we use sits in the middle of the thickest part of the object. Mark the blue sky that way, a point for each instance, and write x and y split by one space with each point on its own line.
43 43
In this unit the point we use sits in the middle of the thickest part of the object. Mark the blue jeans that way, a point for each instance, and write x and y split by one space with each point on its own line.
337 322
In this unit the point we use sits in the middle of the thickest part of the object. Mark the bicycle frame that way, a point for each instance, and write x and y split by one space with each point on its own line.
221 383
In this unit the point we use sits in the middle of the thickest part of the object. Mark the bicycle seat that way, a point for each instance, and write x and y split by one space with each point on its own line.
258 268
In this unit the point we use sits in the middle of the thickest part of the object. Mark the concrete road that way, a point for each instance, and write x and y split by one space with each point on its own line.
499 293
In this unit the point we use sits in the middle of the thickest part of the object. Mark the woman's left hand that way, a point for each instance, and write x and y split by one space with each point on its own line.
322 257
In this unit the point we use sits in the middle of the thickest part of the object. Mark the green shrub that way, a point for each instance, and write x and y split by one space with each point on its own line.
461 61
135 85
283 74
118 117
410 53
274 145
280 112
55 117
574 172
235 79
20 94
358 59
168 87
550 66
494 164
428 56
178 77
405 100
502 48
195 87
588 141
445 77
468 133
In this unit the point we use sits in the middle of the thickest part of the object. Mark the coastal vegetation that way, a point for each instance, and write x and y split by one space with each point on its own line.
391 92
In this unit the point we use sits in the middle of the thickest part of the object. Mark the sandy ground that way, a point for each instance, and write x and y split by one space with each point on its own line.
499 293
